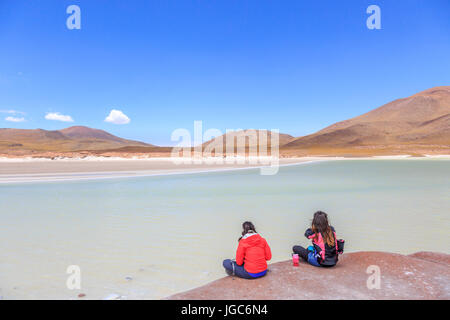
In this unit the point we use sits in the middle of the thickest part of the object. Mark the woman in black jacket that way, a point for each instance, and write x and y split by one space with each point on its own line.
324 249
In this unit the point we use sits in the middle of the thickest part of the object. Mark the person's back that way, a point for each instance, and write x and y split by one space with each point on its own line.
324 251
329 256
253 251
251 255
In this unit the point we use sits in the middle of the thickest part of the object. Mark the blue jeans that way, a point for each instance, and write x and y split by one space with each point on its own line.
312 258
232 268
309 255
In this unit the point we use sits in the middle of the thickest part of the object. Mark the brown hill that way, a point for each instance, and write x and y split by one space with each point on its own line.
17 141
419 124
419 121
251 138
85 133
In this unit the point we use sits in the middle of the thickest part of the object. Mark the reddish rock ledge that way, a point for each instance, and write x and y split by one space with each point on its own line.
422 275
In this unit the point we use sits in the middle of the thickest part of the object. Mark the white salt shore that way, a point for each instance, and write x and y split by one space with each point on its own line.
20 170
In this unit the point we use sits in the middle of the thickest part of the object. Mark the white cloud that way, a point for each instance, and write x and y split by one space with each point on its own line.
117 117
14 119
12 112
58 117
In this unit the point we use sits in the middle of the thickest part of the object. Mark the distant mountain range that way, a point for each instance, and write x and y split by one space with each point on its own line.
71 139
243 134
417 124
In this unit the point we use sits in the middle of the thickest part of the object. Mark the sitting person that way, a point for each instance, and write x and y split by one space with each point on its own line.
324 251
251 255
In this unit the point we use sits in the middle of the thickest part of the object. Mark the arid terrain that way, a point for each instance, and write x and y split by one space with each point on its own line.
423 275
77 139
416 125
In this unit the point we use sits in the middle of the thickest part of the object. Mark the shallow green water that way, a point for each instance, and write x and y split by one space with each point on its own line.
170 233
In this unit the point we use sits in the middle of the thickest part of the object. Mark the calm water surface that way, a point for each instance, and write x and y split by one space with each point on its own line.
171 233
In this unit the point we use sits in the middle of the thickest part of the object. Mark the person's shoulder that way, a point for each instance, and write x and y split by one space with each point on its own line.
332 229
308 232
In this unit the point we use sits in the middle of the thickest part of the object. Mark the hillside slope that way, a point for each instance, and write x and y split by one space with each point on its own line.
419 122
248 138
66 140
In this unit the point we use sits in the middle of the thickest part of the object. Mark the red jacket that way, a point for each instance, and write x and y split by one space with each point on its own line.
253 251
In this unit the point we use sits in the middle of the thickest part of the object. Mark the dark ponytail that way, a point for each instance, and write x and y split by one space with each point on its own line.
247 227
320 224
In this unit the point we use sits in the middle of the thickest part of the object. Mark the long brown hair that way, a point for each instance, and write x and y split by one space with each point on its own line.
320 224
247 226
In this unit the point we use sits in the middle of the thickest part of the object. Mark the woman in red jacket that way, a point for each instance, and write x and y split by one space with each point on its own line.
251 255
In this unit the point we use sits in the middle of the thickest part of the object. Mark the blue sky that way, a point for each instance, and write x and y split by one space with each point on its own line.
296 66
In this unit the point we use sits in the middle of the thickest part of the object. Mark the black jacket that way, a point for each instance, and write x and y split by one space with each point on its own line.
330 252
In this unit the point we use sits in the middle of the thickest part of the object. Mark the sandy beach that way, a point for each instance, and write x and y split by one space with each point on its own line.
31 170
15 170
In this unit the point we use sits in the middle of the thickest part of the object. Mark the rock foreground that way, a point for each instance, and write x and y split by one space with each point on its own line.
422 275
